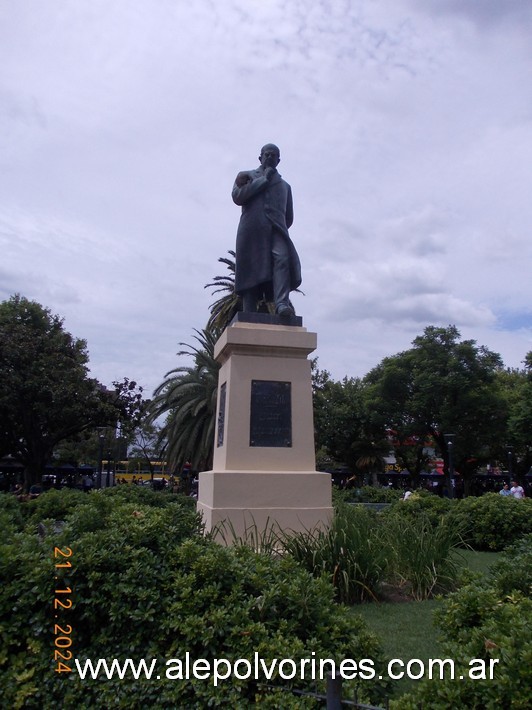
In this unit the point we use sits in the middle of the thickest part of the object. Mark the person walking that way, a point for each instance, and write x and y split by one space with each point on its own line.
516 490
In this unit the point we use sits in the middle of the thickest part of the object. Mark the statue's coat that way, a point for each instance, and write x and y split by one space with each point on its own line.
266 205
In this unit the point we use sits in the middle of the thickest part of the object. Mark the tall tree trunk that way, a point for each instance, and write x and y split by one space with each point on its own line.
32 474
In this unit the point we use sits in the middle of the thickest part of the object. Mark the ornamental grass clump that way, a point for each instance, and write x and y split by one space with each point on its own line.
422 557
350 553
264 539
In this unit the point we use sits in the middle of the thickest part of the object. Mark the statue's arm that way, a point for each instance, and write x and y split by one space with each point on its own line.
244 192
289 208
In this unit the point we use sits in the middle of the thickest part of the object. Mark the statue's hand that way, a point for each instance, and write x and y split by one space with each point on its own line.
242 179
269 173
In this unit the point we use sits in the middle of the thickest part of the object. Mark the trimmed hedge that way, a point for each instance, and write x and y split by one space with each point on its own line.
491 522
431 507
494 521
146 584
373 494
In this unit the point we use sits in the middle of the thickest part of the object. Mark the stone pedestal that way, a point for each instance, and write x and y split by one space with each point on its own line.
264 465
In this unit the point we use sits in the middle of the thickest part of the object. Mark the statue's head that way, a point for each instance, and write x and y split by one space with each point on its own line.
270 156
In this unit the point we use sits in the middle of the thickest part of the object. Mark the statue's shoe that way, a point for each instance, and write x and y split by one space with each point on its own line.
285 311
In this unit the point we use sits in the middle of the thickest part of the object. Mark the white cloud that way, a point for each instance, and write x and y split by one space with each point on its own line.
405 131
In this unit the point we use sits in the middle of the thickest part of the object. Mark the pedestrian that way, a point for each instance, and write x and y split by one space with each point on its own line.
87 483
516 490
505 490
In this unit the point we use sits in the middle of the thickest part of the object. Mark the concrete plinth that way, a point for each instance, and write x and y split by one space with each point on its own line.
264 465
237 501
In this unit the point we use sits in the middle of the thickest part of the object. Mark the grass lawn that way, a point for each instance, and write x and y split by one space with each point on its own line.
479 561
406 631
406 628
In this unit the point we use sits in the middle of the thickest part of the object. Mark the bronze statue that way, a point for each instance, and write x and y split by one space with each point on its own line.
267 264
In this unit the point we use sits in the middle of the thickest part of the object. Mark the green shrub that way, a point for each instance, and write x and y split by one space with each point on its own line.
53 505
146 495
494 521
404 547
513 572
373 494
485 621
431 507
138 523
490 522
11 518
147 585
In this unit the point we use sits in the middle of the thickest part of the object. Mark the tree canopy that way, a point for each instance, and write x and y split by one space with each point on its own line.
343 425
46 394
441 385
410 401
516 387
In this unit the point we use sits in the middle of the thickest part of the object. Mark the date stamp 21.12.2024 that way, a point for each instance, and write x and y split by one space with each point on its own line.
62 603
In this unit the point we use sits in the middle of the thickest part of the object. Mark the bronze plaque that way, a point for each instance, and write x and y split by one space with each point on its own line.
271 413
221 415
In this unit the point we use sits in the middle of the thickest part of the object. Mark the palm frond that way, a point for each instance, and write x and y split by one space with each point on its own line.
187 397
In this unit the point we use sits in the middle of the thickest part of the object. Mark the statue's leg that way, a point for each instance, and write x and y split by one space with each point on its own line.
281 275
249 300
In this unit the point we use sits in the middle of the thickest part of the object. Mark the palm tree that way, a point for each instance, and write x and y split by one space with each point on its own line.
188 398
370 457
223 310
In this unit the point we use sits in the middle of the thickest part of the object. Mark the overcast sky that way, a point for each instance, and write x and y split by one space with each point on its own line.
405 129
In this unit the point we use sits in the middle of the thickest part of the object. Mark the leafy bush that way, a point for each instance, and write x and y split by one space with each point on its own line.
490 522
494 521
147 585
513 572
485 622
431 507
148 496
373 494
11 519
53 505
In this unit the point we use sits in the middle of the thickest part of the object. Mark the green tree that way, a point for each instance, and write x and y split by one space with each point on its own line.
188 399
187 396
370 456
46 395
147 444
516 386
441 385
342 424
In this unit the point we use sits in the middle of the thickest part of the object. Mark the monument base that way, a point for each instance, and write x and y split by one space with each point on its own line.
236 504
263 475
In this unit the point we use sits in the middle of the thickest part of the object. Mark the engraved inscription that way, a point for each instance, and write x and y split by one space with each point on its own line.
221 415
271 413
